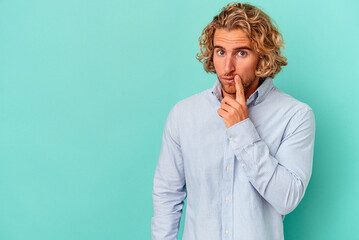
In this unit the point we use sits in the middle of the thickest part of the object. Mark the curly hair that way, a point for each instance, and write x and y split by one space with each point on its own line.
259 28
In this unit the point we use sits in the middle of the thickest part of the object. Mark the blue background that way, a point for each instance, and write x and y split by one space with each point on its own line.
85 89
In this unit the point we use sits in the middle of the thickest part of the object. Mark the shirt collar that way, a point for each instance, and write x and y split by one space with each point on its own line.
256 97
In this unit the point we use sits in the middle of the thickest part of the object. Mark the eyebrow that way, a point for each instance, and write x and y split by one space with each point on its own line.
238 48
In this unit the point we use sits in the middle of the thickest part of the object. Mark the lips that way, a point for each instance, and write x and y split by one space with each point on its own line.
229 79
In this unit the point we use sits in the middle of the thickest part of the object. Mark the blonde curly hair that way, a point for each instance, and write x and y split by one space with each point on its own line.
259 28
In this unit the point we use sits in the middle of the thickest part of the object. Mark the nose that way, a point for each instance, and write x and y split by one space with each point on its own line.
229 64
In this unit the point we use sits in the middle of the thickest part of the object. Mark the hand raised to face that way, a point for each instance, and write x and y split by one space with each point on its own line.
234 110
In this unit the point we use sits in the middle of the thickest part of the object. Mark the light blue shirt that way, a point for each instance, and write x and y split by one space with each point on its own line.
239 182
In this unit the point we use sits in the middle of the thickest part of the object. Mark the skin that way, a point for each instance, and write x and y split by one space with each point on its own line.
235 61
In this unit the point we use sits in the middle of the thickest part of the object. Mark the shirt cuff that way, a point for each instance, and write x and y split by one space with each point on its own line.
242 134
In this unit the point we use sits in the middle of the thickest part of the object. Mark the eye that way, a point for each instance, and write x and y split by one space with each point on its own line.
242 53
220 52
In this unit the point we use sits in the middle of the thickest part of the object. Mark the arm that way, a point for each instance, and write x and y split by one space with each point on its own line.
280 179
169 190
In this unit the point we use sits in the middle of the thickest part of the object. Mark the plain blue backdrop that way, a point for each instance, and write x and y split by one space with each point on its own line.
85 89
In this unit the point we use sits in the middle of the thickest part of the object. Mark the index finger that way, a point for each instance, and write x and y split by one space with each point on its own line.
239 90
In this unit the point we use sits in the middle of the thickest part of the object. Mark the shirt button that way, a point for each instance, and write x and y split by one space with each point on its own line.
242 165
228 168
231 138
227 199
227 231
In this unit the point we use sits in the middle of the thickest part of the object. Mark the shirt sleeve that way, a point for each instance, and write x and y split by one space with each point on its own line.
280 179
169 189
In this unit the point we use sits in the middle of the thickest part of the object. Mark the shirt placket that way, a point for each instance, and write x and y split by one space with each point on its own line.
227 193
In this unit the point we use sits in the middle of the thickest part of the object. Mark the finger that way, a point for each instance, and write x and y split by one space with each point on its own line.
221 112
230 101
239 90
227 107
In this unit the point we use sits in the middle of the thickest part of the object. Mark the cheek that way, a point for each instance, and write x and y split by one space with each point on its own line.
255 62
243 68
217 64
247 67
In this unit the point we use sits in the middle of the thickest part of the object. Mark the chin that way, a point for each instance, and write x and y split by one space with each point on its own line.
230 91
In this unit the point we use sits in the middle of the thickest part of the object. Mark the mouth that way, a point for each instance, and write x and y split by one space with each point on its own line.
228 79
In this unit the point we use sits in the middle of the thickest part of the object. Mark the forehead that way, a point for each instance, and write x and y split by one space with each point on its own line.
231 38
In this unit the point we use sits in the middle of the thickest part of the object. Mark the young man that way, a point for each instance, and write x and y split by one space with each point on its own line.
242 151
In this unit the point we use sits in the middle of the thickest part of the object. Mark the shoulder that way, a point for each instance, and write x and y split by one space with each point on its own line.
281 100
192 102
290 109
185 109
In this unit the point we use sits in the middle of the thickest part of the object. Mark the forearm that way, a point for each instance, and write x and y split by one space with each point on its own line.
167 209
280 178
169 185
278 185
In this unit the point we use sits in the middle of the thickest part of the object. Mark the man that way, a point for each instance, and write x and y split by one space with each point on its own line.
242 151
